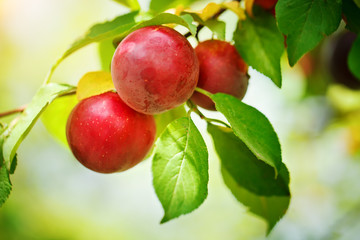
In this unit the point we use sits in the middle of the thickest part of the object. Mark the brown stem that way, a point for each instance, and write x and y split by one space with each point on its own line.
200 26
194 108
11 112
21 109
72 92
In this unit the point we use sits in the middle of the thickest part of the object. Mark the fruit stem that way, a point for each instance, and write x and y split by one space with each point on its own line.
11 112
198 28
210 120
206 93
72 92
201 26
22 108
194 108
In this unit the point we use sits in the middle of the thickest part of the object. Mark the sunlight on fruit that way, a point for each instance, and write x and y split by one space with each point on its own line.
55 197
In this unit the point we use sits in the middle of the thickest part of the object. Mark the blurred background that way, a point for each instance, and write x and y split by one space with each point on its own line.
54 197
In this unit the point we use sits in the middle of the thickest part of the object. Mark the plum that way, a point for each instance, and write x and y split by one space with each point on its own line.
221 70
154 69
106 136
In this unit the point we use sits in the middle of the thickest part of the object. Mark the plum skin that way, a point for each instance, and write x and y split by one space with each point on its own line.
266 4
106 136
154 69
221 70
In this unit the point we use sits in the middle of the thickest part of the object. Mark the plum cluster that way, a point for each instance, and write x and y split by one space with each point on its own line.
154 69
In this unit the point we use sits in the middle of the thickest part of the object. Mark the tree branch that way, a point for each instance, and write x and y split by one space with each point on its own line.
200 26
22 108
11 112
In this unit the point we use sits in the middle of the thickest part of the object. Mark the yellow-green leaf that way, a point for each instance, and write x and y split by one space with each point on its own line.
16 134
210 10
213 8
248 7
234 6
55 117
132 4
106 51
94 83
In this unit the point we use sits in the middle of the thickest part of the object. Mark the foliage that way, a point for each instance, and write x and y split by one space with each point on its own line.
261 44
304 27
249 149
250 180
180 168
5 184
354 56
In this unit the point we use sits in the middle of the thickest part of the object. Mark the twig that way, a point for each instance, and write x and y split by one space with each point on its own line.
72 92
194 108
201 26
21 109
11 112
198 28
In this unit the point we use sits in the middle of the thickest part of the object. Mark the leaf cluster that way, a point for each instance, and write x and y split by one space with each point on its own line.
247 145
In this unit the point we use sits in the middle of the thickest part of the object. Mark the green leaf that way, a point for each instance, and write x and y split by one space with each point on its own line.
27 119
162 120
166 18
5 184
306 22
162 5
2 138
132 4
106 52
119 28
357 2
189 23
180 169
247 170
252 127
104 31
56 115
13 164
250 180
271 209
2 130
217 27
195 16
351 13
163 18
260 44
354 58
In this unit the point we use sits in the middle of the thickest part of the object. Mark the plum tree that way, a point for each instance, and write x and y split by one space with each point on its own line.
107 136
221 70
154 69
